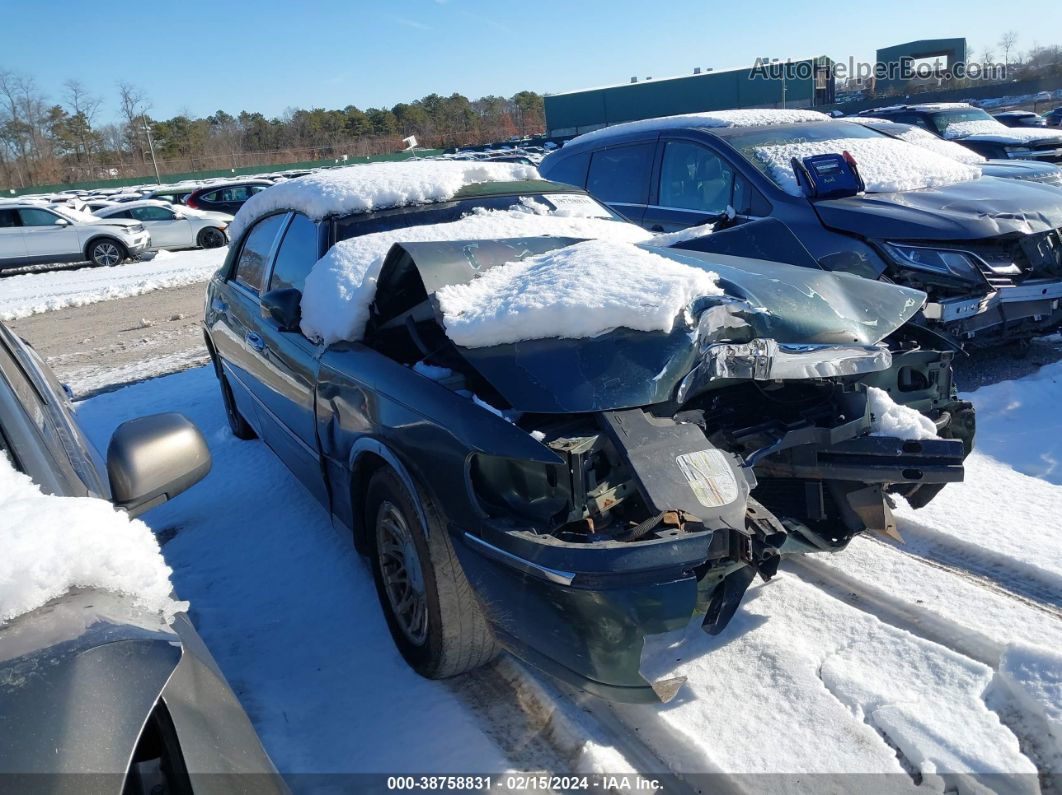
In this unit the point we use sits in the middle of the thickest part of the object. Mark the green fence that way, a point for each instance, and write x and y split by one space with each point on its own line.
224 172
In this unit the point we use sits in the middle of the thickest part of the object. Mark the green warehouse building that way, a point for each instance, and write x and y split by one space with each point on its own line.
795 84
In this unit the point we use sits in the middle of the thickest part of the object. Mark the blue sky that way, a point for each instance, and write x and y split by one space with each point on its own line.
270 55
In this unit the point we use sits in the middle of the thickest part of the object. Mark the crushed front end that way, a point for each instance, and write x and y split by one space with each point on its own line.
675 468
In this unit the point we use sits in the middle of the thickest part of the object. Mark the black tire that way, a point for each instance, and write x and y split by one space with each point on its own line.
240 428
457 636
106 252
211 237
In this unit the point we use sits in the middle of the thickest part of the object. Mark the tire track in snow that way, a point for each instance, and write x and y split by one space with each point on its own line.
894 610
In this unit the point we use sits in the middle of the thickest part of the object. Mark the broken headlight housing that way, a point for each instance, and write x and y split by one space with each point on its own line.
941 261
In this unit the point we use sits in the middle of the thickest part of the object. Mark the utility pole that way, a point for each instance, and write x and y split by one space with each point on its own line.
151 146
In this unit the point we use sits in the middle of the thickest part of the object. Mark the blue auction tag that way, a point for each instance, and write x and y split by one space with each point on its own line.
828 176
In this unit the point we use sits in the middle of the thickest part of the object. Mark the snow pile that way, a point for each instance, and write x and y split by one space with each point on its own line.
885 164
1001 132
749 117
29 293
374 186
52 544
340 288
682 235
560 294
892 419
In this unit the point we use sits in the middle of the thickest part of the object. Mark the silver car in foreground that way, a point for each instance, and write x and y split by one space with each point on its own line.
96 694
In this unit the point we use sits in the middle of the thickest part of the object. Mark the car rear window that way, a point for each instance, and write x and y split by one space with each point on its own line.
251 267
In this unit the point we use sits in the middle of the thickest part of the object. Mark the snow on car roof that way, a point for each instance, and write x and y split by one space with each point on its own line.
885 164
341 286
103 212
939 106
374 186
52 544
558 294
750 117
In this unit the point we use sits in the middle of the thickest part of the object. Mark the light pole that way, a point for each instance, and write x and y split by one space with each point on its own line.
151 146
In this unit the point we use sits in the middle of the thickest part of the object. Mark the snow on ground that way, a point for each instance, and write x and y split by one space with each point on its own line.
374 186
340 287
52 544
289 610
558 294
885 164
30 293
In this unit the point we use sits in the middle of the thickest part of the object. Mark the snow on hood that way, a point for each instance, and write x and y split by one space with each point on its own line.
374 186
892 419
885 164
341 286
992 130
52 544
750 117
558 295
919 137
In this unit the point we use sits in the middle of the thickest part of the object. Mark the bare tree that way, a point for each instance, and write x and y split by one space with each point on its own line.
1006 43
83 107
134 105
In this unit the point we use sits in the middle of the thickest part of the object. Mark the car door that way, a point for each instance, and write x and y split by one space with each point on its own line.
46 234
619 176
235 335
12 246
290 362
695 186
166 229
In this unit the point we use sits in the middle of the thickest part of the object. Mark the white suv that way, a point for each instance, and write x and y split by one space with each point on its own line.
32 233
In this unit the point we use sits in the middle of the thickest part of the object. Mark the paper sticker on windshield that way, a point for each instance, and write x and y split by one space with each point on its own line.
710 477
575 204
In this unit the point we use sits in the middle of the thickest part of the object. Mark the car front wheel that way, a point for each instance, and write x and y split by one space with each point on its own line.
211 237
107 252
434 617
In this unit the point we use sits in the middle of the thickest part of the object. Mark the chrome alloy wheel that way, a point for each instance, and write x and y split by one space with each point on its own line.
402 576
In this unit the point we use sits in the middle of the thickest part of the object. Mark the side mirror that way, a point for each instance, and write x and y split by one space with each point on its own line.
62 222
178 216
152 459
283 306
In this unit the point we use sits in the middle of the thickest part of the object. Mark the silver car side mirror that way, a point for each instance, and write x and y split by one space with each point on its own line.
152 459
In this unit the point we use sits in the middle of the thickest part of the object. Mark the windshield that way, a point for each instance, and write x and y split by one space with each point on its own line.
945 118
561 204
751 142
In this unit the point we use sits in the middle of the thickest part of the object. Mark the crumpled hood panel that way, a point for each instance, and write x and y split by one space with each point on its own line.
625 368
985 207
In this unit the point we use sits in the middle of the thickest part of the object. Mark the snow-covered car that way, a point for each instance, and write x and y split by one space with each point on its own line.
101 672
987 251
173 226
1020 118
976 129
1030 170
550 431
31 233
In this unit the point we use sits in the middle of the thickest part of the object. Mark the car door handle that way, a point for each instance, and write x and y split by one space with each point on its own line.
255 342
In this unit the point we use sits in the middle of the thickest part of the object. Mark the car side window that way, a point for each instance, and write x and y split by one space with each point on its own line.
620 174
34 217
692 177
296 255
8 218
251 267
571 170
210 197
152 214
124 214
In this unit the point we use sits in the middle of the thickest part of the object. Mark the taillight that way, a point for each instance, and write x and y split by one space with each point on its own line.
191 202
